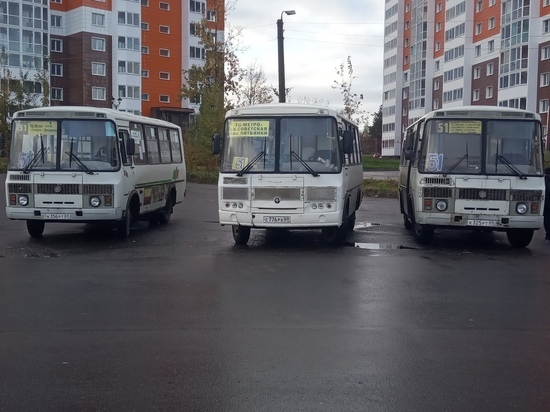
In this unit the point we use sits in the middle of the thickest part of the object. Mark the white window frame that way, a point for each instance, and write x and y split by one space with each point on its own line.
164 29
98 19
57 42
165 51
55 21
56 70
543 105
102 69
54 91
492 22
164 6
475 96
477 50
99 93
96 41
489 92
477 72
164 75
544 79
490 69
164 98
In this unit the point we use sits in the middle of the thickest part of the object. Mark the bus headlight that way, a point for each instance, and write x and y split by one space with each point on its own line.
23 200
441 205
95 201
521 208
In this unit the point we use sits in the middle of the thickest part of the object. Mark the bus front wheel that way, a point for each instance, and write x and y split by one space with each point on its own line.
35 227
123 226
519 237
423 233
241 234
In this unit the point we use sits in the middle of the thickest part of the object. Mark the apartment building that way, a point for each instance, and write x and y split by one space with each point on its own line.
127 54
448 53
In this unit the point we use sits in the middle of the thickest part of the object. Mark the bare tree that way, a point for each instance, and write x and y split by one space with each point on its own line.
352 101
253 88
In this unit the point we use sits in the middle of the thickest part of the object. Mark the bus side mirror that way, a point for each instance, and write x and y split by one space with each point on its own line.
131 147
216 143
408 154
347 142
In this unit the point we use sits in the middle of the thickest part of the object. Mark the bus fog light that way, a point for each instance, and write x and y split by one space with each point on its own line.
329 206
227 205
321 206
23 200
95 201
441 205
313 206
521 208
234 205
241 205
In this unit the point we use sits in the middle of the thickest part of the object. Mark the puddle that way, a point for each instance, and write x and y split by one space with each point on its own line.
378 246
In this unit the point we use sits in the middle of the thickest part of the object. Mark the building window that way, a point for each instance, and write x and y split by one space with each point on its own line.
436 84
438 26
479 6
545 26
98 69
436 104
478 28
545 54
476 95
164 29
437 64
437 46
131 19
57 69
543 106
163 98
164 76
491 46
55 21
98 44
98 19
164 52
489 92
57 93
145 3
145 73
145 50
490 69
57 45
438 8
99 93
164 6
491 23
478 50
211 15
493 2
145 97
405 93
544 79
145 26
477 72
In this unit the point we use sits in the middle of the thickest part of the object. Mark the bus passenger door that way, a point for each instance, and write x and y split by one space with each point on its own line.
127 164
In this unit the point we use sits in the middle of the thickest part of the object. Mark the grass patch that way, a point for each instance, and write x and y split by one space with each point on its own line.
380 188
202 176
382 163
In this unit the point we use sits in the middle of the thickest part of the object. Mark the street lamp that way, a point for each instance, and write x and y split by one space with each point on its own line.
282 91
116 102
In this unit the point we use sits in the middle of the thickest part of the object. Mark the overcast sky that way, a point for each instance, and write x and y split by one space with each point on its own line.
317 39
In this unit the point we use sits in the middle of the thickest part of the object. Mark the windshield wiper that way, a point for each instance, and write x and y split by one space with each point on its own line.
453 167
74 157
251 164
308 167
34 160
511 167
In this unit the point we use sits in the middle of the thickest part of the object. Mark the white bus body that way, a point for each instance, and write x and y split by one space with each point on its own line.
85 164
289 166
476 167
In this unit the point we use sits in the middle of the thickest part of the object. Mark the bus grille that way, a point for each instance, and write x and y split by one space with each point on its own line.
20 177
526 195
97 189
482 194
438 181
441 192
235 193
283 193
57 189
320 194
19 188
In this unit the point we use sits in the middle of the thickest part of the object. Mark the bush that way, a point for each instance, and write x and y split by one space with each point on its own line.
380 163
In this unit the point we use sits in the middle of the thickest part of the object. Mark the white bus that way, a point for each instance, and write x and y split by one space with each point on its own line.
85 164
289 166
475 167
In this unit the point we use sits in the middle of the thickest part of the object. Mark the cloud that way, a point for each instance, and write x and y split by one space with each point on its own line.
317 39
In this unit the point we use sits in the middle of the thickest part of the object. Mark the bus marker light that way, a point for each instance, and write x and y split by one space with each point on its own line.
534 208
13 200
428 204
108 201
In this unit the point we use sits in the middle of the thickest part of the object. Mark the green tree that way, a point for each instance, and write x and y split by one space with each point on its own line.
352 101
375 130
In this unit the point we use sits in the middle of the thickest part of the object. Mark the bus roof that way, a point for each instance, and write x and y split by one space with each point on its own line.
483 111
284 109
88 112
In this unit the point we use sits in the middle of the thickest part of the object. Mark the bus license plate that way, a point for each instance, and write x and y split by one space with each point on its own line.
57 216
276 219
481 223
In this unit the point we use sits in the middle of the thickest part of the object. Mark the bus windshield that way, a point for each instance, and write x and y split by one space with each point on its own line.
304 144
503 147
85 145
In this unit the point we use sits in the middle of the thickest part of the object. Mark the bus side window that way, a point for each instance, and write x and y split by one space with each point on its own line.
123 137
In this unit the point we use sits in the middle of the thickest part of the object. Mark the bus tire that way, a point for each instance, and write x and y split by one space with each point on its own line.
123 226
335 235
241 234
423 233
166 212
519 238
406 221
35 228
351 222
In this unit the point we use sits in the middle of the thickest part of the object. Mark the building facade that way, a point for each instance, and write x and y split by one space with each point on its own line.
448 53
127 54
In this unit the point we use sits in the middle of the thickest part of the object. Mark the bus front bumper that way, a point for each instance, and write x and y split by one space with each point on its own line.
64 215
481 221
281 219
